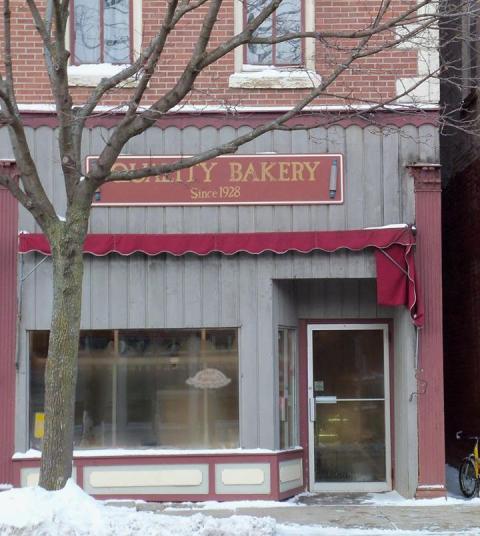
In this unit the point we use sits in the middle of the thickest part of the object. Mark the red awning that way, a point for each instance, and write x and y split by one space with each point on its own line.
396 283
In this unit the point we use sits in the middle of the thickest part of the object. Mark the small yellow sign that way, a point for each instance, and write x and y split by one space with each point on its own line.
39 426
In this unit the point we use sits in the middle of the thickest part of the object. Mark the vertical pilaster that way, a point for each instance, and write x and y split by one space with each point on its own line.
431 448
8 316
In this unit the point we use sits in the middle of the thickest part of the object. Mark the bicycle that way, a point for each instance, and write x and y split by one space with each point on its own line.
468 474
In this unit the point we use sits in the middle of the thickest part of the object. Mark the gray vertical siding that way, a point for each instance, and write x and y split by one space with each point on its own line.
356 299
256 294
212 291
405 408
191 291
378 188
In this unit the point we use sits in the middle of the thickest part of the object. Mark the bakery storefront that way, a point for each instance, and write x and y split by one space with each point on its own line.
250 326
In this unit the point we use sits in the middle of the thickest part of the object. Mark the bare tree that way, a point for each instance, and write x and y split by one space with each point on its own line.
390 24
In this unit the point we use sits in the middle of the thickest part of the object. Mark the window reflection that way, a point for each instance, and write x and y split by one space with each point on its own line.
287 381
149 388
286 19
101 31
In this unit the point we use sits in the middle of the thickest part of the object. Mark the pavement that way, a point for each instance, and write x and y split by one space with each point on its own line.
347 513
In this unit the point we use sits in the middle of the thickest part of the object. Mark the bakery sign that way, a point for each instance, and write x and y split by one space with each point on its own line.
267 179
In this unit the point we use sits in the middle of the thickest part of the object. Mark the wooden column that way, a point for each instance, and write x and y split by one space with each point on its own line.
430 411
8 318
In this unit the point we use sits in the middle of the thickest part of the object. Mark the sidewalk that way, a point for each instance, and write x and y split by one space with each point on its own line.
442 519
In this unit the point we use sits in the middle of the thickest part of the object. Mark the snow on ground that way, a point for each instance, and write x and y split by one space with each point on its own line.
454 495
36 512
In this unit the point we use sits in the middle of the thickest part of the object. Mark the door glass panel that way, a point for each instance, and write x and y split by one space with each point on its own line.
348 363
349 431
350 442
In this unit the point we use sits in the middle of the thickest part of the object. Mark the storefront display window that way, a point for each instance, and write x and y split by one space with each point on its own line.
287 380
148 388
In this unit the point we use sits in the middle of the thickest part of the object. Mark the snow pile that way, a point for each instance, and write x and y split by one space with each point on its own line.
32 508
36 512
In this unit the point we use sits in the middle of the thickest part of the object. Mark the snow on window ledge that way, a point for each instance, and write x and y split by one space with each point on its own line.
271 78
32 454
90 75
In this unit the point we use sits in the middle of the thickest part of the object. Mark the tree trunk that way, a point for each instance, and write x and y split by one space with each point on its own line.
61 369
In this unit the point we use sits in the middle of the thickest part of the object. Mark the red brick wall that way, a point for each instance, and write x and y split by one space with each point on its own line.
462 309
371 79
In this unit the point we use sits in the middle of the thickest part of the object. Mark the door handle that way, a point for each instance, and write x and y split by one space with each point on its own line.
311 409
325 399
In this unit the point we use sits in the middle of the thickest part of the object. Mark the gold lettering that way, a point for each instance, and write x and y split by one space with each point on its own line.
266 172
208 169
190 175
311 167
235 172
297 171
250 173
283 169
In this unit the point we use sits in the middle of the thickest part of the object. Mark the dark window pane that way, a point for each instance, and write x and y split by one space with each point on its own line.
358 354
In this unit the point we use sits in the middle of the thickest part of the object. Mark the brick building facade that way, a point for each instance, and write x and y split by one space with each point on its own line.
255 347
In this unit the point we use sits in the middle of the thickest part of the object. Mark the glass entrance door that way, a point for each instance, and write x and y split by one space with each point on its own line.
349 409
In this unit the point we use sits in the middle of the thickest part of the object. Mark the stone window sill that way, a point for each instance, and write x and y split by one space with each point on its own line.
90 75
275 79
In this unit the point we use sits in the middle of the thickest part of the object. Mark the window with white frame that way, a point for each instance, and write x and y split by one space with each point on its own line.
104 37
286 19
284 65
101 31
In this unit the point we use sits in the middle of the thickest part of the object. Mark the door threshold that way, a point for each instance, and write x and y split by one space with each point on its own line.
328 498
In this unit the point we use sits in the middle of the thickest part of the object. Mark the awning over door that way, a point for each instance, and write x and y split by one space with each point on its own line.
393 246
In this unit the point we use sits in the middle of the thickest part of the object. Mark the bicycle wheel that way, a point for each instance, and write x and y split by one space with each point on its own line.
466 477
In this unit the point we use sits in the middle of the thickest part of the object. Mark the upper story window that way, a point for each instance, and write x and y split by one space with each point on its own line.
286 19
101 31
284 65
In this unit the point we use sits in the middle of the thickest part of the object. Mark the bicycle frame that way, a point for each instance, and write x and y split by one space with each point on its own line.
475 458
469 471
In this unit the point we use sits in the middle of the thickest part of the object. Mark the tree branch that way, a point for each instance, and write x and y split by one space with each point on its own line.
233 145
128 129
